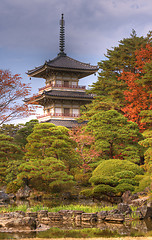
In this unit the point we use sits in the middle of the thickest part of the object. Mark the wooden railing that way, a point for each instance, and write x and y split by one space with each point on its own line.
62 86
59 115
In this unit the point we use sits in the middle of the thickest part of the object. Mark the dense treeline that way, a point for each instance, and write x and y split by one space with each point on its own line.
112 153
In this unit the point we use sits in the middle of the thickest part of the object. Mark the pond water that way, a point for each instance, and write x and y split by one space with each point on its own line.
134 228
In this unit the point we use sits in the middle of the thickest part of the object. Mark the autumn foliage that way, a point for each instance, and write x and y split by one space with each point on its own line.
85 147
138 94
12 94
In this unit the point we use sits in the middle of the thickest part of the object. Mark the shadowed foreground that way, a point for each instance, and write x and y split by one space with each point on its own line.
121 238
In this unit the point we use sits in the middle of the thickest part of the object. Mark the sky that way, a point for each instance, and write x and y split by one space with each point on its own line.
29 31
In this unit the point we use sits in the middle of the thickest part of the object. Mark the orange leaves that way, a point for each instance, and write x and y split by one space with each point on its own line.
138 94
12 94
85 146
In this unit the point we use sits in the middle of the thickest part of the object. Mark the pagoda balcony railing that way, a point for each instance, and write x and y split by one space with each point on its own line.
62 86
59 115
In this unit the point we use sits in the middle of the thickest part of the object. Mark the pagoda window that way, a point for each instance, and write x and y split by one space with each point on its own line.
75 112
66 83
58 111
74 84
66 111
58 83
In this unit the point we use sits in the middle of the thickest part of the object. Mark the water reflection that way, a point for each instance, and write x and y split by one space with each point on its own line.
86 230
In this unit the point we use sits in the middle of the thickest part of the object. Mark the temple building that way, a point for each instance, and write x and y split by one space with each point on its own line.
62 96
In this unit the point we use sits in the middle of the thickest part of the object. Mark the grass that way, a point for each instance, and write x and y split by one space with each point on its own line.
86 209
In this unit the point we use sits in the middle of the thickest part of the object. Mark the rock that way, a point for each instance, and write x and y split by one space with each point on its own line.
119 218
102 215
78 219
25 223
31 214
42 214
45 220
145 211
88 217
124 208
126 197
140 201
4 197
55 216
23 193
11 196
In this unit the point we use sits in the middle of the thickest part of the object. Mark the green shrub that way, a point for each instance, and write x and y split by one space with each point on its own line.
112 181
121 188
83 178
128 181
124 174
112 166
14 186
102 189
138 178
115 176
86 193
144 183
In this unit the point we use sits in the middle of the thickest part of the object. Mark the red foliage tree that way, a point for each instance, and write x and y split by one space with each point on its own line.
85 147
12 91
139 86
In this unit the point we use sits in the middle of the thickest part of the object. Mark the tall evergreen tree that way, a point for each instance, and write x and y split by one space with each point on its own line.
122 57
8 153
115 136
48 140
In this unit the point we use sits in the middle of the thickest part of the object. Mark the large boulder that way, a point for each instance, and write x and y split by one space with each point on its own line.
4 197
145 211
25 223
124 209
23 193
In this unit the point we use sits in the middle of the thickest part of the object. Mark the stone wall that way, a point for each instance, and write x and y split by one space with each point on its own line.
44 220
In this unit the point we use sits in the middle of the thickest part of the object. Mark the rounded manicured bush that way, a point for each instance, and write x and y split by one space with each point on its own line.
125 174
86 193
112 166
103 189
114 176
112 181
124 187
128 181
144 183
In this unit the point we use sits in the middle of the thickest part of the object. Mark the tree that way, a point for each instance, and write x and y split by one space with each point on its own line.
147 143
48 174
10 129
122 57
12 91
115 176
85 147
22 133
115 136
48 140
9 152
138 95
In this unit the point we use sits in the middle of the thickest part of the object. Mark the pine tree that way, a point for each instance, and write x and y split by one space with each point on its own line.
115 136
122 57
8 153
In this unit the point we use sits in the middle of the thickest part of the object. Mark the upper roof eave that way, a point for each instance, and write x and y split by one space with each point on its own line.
64 63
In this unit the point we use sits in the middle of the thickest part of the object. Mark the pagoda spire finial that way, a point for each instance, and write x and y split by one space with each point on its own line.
62 36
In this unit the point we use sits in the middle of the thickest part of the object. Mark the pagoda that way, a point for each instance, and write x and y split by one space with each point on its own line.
62 96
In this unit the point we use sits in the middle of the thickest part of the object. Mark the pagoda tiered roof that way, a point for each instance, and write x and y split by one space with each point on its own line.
63 63
54 94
